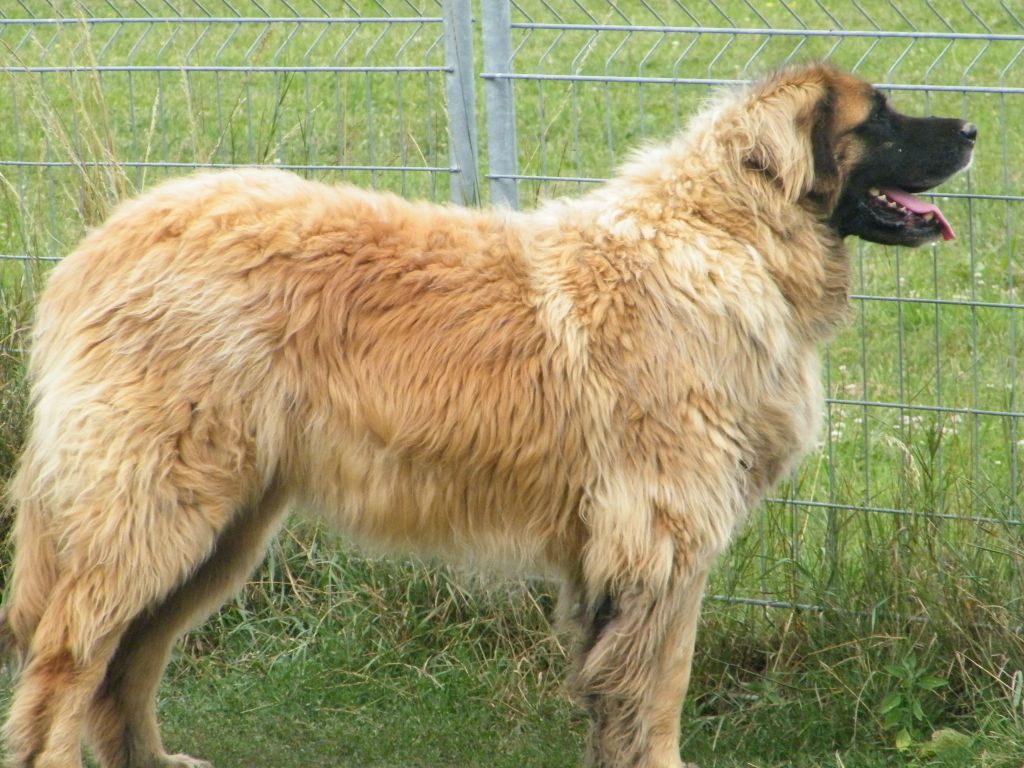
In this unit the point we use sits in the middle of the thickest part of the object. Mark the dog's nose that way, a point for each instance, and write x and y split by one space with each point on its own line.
969 131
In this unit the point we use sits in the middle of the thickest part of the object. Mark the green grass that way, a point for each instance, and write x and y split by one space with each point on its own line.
330 657
327 653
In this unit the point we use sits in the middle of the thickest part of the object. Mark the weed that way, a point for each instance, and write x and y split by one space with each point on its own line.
902 710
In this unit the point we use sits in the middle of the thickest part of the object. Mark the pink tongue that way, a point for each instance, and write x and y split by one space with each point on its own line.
920 207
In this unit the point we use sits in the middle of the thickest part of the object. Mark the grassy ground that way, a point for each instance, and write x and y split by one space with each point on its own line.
338 659
427 667
333 657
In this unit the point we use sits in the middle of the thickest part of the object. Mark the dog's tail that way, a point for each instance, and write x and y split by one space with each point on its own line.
28 592
34 571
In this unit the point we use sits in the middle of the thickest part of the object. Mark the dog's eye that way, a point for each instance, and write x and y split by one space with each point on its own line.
880 111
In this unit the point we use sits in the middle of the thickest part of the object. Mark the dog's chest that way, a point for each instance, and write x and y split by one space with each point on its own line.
780 426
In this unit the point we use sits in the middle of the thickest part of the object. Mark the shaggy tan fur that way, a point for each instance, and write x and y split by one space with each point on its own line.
600 388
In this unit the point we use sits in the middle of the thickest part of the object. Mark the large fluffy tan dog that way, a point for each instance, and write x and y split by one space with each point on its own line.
601 388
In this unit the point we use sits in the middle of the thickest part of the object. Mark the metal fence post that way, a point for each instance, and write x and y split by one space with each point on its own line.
502 150
458 53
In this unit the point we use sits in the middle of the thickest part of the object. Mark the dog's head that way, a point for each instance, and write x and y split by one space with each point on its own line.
831 142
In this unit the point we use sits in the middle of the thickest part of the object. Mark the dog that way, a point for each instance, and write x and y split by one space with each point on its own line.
599 389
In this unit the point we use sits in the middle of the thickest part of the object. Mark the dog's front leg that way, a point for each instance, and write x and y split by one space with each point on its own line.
634 669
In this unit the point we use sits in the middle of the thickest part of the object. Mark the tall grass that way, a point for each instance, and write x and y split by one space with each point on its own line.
14 313
899 621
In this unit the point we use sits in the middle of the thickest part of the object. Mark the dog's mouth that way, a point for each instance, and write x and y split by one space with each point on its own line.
918 219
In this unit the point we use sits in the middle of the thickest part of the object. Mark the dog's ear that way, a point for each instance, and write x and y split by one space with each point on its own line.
789 138
769 152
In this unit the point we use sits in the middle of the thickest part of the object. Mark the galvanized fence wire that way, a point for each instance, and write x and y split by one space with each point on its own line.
924 403
112 96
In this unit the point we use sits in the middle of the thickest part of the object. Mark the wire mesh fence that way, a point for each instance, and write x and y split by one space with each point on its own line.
924 417
924 410
105 98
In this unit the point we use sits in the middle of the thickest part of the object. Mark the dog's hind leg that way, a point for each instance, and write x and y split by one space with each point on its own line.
634 669
114 562
122 725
